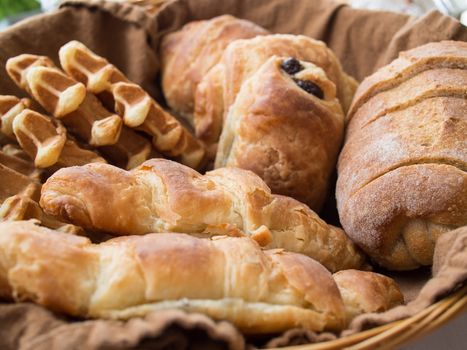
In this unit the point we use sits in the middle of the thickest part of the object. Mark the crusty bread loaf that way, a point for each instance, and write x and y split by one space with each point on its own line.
444 54
164 196
189 53
227 278
402 172
286 125
242 58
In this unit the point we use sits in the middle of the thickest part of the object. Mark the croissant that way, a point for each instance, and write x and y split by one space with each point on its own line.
286 125
228 278
188 54
164 196
402 178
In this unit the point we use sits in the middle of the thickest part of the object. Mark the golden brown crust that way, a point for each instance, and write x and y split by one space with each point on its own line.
431 131
134 105
48 144
10 107
402 172
426 85
165 196
226 278
80 111
188 55
365 292
398 217
242 58
443 54
287 136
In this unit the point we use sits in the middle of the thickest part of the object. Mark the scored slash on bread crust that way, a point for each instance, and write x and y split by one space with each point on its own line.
227 278
443 54
402 179
80 111
165 196
136 107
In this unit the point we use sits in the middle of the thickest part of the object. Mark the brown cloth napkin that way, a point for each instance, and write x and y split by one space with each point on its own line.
129 37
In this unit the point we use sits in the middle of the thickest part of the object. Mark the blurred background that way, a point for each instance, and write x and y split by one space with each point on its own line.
12 11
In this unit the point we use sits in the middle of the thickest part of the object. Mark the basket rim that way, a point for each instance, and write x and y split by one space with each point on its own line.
393 334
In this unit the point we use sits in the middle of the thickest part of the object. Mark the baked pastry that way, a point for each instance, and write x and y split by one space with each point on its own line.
43 139
165 196
227 278
188 54
80 111
136 107
286 125
402 180
20 165
217 92
367 292
443 54
10 107
13 149
47 143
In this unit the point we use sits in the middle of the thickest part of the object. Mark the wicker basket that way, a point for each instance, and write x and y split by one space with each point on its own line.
397 333
388 336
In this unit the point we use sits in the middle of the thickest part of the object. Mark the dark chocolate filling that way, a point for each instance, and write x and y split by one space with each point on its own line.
291 66
310 87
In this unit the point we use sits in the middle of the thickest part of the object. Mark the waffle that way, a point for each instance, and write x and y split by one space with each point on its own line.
19 197
20 165
10 107
13 149
46 142
42 139
134 104
80 111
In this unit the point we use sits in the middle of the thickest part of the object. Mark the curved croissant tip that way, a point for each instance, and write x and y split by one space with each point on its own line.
65 207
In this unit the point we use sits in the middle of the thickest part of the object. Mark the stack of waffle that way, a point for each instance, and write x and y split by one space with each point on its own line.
91 113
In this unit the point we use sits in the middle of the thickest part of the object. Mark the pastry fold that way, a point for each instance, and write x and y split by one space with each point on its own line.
189 54
227 278
287 135
164 196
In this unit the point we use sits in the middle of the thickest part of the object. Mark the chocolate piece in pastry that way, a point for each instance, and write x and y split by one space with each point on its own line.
402 172
188 54
164 196
242 58
227 278
286 125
